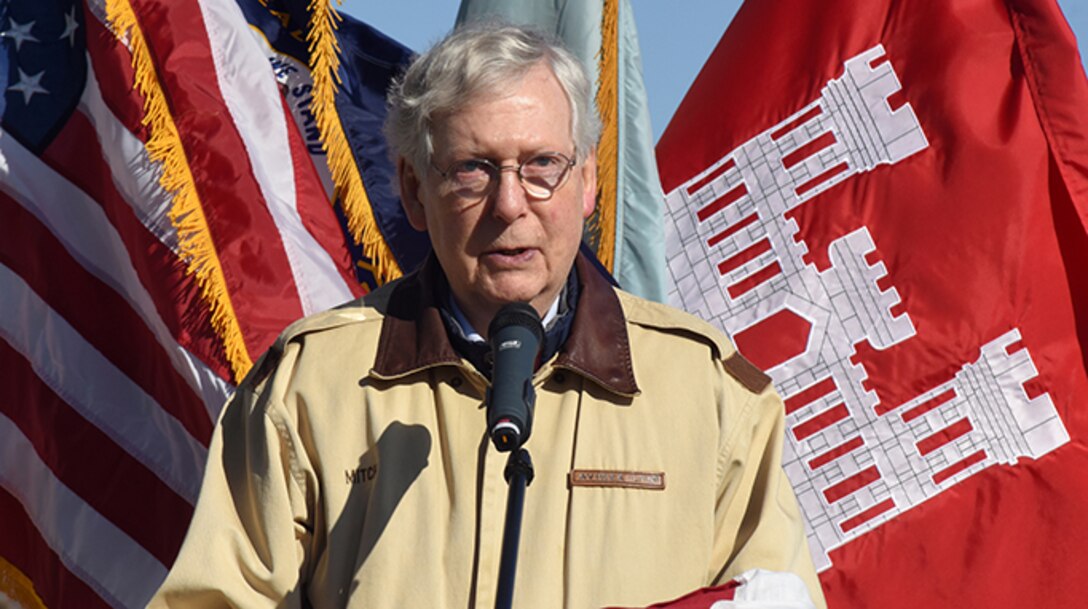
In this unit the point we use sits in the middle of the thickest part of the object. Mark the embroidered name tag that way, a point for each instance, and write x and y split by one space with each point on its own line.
654 481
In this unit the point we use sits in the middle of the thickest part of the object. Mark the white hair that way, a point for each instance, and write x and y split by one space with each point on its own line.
474 61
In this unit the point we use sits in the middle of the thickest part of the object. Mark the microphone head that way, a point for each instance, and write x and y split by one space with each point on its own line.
515 335
517 314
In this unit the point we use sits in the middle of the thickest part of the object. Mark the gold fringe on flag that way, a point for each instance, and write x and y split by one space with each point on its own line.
608 147
18 588
347 181
186 213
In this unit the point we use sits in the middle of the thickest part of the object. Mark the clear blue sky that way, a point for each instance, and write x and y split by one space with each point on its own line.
676 36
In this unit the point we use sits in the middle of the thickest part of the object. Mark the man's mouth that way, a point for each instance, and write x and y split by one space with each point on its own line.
510 256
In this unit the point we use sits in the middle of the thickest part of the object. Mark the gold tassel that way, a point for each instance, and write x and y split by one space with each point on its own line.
18 587
608 147
186 213
348 183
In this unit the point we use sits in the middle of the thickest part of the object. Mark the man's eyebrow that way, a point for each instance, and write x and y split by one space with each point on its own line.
524 156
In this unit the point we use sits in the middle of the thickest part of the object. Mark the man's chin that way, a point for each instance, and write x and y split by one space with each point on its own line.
507 292
491 290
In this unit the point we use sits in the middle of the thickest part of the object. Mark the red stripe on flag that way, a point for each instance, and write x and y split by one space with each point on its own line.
112 66
824 141
91 464
749 283
24 547
852 484
710 177
246 238
836 452
809 395
732 230
746 255
313 206
959 466
820 179
797 122
928 405
867 515
944 436
109 324
77 155
820 422
721 202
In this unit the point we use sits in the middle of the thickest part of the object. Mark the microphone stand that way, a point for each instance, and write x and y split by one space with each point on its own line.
515 334
518 474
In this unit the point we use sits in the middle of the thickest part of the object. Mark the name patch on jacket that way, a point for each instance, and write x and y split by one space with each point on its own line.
654 481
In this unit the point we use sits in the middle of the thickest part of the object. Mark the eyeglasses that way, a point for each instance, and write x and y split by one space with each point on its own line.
540 176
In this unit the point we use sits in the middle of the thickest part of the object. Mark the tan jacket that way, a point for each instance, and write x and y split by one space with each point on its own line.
351 468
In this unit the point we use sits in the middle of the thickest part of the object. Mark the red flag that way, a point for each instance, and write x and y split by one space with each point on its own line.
884 203
754 589
123 329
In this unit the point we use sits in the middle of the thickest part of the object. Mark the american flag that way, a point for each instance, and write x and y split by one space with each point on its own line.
161 220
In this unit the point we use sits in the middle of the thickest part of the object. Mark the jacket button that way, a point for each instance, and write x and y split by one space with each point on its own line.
456 381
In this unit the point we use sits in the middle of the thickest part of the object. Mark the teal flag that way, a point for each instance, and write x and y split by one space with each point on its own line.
627 231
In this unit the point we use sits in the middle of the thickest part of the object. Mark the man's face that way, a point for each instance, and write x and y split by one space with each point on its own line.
506 246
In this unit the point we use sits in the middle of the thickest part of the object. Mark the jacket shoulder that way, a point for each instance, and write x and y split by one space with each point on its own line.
369 309
351 313
355 315
664 318
657 316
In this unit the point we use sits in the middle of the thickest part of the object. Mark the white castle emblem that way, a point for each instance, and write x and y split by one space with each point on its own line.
735 260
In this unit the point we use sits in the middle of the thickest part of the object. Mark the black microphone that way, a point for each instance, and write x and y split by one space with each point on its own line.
515 335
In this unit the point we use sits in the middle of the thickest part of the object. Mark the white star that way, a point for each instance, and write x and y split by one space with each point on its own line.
70 27
20 33
29 85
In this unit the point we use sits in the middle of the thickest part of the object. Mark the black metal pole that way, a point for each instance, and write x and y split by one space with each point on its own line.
518 473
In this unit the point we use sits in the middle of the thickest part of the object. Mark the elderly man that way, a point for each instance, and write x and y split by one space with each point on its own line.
352 468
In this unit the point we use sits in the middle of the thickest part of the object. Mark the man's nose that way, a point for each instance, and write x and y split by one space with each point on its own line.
511 200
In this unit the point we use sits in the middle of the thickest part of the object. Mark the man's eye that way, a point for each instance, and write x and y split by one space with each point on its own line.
544 161
472 168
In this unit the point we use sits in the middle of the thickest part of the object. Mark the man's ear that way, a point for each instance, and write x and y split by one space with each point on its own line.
410 185
589 184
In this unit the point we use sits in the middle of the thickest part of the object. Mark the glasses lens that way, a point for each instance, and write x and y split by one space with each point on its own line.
471 177
544 173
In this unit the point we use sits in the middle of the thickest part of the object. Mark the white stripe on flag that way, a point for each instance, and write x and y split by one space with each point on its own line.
134 174
250 91
78 222
96 389
93 548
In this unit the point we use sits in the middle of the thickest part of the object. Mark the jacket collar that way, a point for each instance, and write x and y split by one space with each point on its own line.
413 336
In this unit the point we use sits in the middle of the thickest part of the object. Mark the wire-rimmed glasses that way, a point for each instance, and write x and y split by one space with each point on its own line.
540 175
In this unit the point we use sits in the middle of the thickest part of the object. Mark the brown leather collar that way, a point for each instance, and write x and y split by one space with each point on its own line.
413 336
